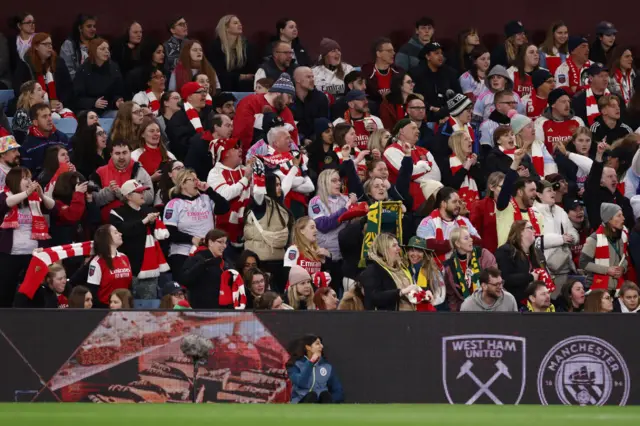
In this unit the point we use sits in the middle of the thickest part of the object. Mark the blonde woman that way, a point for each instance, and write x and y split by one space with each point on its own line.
51 295
387 280
31 93
505 53
232 56
305 250
378 142
464 173
524 131
189 215
300 289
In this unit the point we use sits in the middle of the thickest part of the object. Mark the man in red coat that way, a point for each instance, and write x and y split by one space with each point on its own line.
252 107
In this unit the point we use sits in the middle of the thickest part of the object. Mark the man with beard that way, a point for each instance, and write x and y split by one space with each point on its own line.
504 102
602 187
538 298
359 117
515 201
199 156
417 112
608 126
575 211
280 62
572 73
253 107
491 297
111 177
426 174
557 124
9 157
187 121
437 227
225 103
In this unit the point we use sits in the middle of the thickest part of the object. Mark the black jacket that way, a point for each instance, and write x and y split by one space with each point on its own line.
499 57
595 195
201 274
126 58
134 233
92 82
597 53
64 86
579 106
498 161
230 80
199 157
315 105
380 291
515 271
302 56
600 131
44 298
272 71
434 85
180 131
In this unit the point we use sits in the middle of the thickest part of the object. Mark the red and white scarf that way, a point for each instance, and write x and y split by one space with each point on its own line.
510 152
517 215
62 168
575 74
39 227
154 103
209 100
468 191
592 105
153 261
437 222
193 116
457 127
34 131
232 290
601 282
41 260
536 158
625 82
49 86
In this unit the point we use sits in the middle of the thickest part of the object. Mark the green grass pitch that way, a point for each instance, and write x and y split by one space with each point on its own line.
67 414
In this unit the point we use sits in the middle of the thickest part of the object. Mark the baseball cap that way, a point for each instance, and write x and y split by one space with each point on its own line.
189 89
430 47
512 28
571 204
355 95
7 143
132 185
596 69
606 28
172 288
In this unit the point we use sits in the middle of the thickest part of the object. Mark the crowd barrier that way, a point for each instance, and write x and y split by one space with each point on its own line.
380 357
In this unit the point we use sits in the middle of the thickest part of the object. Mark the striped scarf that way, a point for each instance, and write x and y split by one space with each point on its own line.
378 212
592 105
153 261
194 117
232 291
39 227
41 260
437 222
601 282
625 82
154 103
509 152
517 215
468 191
457 127
209 100
536 158
575 74
48 84
469 279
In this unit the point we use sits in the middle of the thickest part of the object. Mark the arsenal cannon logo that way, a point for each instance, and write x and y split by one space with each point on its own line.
483 368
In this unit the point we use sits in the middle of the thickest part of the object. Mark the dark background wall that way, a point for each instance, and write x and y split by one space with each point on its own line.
353 24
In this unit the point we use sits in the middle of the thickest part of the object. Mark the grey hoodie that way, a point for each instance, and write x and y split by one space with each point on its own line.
505 303
501 71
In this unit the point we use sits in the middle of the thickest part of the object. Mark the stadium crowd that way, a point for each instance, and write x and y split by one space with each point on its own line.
466 180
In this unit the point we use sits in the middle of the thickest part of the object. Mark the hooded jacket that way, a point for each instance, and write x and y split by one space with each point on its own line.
484 103
317 377
504 303
556 251
409 54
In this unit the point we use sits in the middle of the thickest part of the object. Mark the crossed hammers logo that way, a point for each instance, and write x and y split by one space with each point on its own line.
484 387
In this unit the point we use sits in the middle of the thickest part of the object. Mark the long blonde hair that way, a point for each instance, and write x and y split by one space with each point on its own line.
294 299
180 179
324 185
380 249
306 247
124 128
26 90
512 49
235 52
455 143
375 140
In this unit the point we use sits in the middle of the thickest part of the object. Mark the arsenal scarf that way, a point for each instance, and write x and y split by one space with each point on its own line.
154 102
544 276
469 189
232 290
379 212
39 227
575 74
517 215
209 100
469 278
41 260
48 84
63 168
510 152
601 282
625 82
437 222
592 105
536 158
284 162
193 116
457 127
153 261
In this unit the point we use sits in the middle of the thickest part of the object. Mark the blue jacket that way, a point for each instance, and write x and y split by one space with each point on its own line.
33 149
306 377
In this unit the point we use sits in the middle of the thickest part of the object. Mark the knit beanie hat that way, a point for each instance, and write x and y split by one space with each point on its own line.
327 45
400 125
608 211
556 94
189 89
219 146
283 85
320 125
575 41
457 103
298 274
518 121
540 76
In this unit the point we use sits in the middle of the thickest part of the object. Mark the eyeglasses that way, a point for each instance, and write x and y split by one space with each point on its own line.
181 24
498 284
285 52
101 133
177 168
28 23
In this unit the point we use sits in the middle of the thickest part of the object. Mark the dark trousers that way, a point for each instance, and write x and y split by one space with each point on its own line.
335 270
12 268
277 276
176 262
314 398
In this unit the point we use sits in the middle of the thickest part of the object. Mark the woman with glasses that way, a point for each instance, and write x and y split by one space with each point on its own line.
25 24
75 49
519 260
598 301
89 149
393 107
256 283
150 98
98 84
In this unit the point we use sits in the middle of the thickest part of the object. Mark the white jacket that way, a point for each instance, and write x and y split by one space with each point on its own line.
327 81
556 251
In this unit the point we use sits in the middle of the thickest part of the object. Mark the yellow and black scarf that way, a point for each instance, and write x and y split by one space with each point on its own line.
381 212
473 272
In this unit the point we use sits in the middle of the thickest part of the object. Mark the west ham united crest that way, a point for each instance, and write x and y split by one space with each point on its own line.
483 368
583 370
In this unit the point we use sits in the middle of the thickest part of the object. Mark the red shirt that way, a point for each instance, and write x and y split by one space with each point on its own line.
522 85
151 158
107 279
559 131
535 105
384 81
293 256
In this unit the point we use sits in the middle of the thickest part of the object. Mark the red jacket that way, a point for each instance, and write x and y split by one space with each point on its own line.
244 119
390 114
483 218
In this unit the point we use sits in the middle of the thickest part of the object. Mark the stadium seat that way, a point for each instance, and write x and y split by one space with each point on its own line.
240 95
67 126
5 97
106 124
146 303
10 120
357 69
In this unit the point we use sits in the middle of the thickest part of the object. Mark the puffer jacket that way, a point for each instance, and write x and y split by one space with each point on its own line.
556 251
317 377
